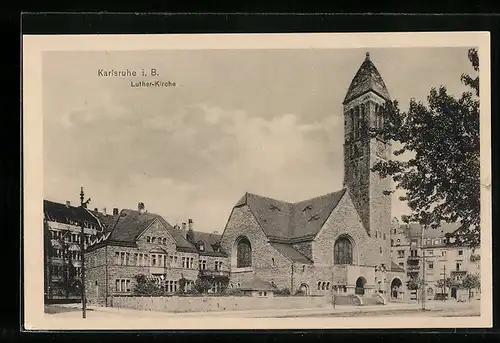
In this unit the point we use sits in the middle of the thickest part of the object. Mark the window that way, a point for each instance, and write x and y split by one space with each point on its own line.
202 247
381 250
148 239
184 264
342 251
430 265
437 241
191 262
392 242
414 241
122 258
376 234
218 265
394 231
458 265
402 264
203 264
319 285
413 253
122 285
272 260
443 252
385 237
430 253
401 253
164 241
460 252
327 286
153 240
244 253
398 242
153 260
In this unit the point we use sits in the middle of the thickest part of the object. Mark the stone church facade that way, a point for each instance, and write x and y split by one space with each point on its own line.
338 242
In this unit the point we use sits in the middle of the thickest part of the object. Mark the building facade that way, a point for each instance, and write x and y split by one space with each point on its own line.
141 243
426 256
62 246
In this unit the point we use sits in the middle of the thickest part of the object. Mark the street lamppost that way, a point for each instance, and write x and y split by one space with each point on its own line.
424 291
83 205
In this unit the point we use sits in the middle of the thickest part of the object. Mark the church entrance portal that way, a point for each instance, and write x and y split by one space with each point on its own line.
454 292
360 285
395 286
304 289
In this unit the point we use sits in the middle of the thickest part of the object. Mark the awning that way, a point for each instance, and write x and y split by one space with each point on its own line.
156 278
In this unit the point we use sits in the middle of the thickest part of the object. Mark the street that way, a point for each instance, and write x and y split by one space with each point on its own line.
433 309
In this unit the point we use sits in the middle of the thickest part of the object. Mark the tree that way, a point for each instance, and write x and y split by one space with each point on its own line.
470 282
441 178
414 284
145 286
202 285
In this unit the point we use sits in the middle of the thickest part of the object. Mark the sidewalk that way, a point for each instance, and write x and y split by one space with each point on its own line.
327 310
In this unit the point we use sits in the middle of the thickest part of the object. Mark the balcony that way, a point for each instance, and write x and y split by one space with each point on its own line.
157 270
213 273
413 267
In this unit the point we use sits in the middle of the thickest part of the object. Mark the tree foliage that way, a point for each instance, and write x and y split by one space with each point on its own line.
441 175
414 284
471 281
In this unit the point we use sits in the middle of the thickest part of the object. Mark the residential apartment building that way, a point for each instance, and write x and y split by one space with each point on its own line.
62 246
440 261
141 243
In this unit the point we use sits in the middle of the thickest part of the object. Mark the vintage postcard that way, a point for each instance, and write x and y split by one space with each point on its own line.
260 181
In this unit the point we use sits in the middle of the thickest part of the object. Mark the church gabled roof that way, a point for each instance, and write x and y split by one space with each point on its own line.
285 221
367 79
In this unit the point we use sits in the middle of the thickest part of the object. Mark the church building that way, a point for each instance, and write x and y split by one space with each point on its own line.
338 242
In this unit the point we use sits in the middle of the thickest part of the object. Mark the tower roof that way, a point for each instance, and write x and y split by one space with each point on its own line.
367 79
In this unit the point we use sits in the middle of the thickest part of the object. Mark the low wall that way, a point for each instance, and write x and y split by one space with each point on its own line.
211 304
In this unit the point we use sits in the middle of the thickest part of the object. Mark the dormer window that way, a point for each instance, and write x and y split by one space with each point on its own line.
274 208
307 208
314 217
201 247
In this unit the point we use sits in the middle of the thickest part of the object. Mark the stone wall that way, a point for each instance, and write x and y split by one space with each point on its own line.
211 304
243 223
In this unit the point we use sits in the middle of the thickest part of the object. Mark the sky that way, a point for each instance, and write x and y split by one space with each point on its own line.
268 122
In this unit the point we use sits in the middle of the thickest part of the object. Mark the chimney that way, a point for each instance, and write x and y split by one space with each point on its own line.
96 210
177 227
141 208
216 232
184 233
115 211
68 203
190 225
104 211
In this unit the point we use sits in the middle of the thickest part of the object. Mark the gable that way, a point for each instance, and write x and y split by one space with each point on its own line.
156 230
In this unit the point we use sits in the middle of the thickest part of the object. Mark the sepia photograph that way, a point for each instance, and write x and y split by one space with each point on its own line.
257 181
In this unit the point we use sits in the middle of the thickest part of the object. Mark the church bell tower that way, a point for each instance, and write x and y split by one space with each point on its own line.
365 96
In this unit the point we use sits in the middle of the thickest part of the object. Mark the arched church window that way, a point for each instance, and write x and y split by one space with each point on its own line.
342 251
244 253
362 118
354 123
